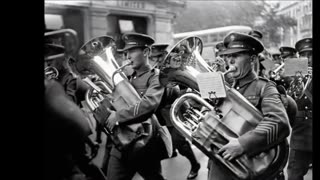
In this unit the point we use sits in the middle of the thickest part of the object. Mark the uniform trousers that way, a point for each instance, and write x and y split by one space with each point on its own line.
179 142
299 162
147 163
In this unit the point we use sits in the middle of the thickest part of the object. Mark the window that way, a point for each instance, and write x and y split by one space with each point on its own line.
53 21
120 24
126 26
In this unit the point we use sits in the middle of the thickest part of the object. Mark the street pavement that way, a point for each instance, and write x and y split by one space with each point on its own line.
177 168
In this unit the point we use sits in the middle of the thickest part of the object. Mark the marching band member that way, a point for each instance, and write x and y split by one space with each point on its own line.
241 54
287 52
145 80
179 142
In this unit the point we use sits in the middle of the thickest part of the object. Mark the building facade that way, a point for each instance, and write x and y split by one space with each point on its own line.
301 11
104 17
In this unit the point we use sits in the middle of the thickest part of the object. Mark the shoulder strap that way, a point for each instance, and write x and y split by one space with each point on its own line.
261 84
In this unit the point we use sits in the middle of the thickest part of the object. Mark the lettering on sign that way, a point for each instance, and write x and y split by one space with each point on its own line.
131 4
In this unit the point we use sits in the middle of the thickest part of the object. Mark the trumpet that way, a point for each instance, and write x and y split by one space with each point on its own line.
275 72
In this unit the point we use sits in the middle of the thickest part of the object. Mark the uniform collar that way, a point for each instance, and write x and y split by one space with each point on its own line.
251 76
142 70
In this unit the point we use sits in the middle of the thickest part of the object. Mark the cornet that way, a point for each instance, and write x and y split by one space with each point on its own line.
275 72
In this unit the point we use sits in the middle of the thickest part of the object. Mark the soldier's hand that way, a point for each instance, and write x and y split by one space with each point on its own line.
111 121
231 150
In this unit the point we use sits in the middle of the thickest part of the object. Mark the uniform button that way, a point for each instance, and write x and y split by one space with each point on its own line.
238 88
306 117
306 107
305 97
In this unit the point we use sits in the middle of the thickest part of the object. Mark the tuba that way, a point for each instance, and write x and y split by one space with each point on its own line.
229 117
69 39
112 89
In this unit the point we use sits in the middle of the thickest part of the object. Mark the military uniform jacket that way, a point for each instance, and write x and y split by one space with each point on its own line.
284 81
301 137
74 87
274 127
147 84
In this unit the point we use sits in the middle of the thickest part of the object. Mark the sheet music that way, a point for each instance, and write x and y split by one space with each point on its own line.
294 65
211 85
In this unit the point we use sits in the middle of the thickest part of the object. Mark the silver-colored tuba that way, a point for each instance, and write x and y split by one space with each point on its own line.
227 118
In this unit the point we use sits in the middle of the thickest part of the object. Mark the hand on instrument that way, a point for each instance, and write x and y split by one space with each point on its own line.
111 121
231 150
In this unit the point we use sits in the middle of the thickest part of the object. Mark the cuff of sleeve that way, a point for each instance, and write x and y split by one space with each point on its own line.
247 143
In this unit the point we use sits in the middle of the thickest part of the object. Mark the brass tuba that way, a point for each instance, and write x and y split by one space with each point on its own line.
229 117
113 90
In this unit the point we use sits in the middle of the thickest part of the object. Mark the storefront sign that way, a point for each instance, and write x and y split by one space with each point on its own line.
131 4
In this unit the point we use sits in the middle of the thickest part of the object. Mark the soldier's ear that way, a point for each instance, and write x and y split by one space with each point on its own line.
253 58
146 52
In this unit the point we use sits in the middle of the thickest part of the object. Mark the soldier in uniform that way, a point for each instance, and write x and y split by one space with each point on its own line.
65 153
145 80
260 69
179 142
74 87
158 53
276 57
221 63
301 138
287 52
274 127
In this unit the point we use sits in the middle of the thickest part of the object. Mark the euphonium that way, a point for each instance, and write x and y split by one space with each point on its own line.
229 117
96 57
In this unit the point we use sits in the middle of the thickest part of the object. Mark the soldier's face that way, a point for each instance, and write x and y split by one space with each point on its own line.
307 54
154 59
137 56
241 62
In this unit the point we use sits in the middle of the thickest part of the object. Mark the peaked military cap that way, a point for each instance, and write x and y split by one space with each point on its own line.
133 40
52 51
220 47
238 42
158 49
304 45
256 34
286 51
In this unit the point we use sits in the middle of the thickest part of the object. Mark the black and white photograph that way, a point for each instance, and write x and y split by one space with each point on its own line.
178 90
